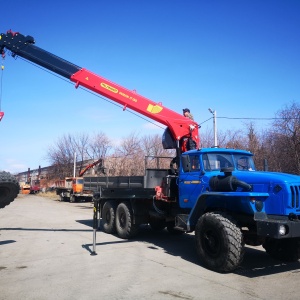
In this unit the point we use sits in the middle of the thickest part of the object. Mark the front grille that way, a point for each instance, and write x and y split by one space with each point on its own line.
295 193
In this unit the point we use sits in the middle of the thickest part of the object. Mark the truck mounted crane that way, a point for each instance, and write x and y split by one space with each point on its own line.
181 132
216 193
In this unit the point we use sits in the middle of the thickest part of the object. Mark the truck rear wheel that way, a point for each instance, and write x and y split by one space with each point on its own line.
219 242
109 216
9 188
124 221
286 250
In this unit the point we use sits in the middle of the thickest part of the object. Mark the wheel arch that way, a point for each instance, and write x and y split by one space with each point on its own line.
208 203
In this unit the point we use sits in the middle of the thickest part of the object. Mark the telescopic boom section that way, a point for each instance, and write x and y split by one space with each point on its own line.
179 125
181 132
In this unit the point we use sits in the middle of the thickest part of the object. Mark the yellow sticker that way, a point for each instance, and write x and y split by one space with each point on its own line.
154 109
108 87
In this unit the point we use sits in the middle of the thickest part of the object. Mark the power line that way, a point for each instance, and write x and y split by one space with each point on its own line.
139 116
249 118
236 118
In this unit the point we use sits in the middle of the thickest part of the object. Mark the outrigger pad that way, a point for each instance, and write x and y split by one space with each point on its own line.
1 115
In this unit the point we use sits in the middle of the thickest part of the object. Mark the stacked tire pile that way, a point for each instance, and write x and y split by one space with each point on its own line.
9 188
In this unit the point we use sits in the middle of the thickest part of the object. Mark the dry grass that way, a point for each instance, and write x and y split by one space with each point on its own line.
51 195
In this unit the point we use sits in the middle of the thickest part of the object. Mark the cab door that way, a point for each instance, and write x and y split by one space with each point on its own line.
190 180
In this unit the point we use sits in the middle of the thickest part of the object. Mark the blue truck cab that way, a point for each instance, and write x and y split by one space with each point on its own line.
228 180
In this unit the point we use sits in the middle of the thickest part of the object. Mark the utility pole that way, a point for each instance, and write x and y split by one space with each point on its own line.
214 113
74 168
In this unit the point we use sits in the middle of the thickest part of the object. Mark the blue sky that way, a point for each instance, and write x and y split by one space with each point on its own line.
238 57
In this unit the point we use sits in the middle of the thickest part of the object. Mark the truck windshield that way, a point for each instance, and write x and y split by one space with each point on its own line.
217 161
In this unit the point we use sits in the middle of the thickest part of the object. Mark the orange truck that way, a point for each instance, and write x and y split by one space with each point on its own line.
73 190
25 188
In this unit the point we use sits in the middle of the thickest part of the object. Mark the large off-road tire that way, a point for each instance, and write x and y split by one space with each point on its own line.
219 242
108 221
9 188
124 221
286 249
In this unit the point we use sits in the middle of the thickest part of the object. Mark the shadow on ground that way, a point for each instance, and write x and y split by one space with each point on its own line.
256 261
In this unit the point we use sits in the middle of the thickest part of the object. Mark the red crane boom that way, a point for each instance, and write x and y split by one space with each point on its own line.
181 133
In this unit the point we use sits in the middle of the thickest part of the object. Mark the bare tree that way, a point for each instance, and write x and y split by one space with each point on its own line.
156 156
235 139
99 146
128 158
226 139
206 138
81 143
61 154
286 138
255 145
135 153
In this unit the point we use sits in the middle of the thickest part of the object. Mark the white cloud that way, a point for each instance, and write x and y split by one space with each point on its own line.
13 166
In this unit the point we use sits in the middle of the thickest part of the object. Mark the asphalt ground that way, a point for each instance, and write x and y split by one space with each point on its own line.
46 247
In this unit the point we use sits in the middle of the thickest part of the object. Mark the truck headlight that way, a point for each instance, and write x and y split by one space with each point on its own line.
282 230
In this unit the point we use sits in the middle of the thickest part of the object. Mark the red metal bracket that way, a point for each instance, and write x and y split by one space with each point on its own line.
12 32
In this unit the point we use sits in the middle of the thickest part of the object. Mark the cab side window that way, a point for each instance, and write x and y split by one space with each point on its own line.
195 163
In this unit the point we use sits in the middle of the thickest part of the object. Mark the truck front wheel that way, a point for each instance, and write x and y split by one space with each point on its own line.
219 242
124 221
109 217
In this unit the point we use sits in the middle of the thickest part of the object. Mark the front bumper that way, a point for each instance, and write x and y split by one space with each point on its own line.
275 226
